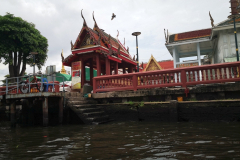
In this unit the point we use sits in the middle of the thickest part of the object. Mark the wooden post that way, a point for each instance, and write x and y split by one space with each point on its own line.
130 69
13 113
107 64
91 71
30 112
124 69
60 113
183 78
45 111
116 68
98 65
135 81
83 72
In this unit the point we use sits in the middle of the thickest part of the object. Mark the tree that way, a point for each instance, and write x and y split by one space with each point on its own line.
17 39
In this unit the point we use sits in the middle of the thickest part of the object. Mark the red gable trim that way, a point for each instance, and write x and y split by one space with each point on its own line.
127 60
114 59
193 34
86 50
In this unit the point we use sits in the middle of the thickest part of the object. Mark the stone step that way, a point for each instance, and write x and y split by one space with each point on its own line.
94 114
78 98
79 102
73 94
98 119
82 106
88 110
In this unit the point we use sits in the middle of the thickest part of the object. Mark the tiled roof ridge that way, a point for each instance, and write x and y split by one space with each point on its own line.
189 31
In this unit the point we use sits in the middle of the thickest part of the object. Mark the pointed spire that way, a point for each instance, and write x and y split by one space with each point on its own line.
117 34
128 49
134 57
211 19
62 55
95 23
84 22
165 35
118 52
124 42
71 45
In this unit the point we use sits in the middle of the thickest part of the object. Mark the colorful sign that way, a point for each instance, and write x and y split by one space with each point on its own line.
187 65
76 75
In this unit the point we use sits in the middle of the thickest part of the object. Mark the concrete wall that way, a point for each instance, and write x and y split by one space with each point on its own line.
183 112
226 45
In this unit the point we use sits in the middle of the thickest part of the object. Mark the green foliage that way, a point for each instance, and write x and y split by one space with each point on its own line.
19 38
136 105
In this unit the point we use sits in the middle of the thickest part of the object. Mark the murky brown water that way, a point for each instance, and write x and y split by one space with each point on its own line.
128 140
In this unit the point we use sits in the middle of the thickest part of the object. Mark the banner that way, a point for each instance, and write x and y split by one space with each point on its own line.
76 75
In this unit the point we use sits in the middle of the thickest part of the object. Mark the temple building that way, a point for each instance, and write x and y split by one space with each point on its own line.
215 44
97 50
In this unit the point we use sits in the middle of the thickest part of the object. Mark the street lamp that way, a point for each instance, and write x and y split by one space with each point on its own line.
137 34
33 53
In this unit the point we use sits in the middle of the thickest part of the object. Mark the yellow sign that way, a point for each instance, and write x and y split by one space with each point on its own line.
187 65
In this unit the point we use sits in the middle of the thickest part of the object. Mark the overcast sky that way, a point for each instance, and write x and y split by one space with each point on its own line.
60 22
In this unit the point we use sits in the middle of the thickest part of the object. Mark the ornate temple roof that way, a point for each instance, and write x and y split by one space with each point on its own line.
97 40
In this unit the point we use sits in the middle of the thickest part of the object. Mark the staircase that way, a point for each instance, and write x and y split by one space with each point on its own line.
86 109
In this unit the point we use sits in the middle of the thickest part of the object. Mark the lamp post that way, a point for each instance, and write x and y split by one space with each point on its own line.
33 53
137 34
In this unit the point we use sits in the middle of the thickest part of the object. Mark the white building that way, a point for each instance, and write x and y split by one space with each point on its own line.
216 43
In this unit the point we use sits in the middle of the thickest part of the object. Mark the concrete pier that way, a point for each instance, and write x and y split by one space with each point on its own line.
60 115
13 113
45 111
35 108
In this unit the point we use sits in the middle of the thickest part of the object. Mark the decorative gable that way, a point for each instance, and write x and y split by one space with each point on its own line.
87 42
152 65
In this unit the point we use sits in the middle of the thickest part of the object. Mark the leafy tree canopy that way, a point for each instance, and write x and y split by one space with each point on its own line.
17 39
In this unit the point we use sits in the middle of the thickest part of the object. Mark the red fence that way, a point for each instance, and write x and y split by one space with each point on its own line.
206 74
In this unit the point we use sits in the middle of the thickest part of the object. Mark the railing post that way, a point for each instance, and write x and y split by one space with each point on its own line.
94 85
42 82
29 83
183 78
53 90
6 86
135 81
17 84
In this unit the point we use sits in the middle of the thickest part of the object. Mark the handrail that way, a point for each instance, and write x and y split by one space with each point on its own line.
17 84
205 74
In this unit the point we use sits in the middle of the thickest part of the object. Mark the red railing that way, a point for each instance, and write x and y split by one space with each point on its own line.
215 73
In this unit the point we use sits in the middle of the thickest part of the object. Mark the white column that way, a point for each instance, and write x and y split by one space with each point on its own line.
198 54
174 62
174 57
199 62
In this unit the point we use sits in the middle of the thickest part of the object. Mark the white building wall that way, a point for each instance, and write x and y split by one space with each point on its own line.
226 45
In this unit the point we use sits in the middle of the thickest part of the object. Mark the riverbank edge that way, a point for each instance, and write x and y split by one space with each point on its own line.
174 111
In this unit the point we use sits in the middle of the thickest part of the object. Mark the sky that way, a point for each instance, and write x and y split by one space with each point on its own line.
60 22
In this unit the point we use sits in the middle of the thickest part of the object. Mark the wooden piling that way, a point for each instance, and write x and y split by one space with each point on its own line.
45 111
60 113
30 113
13 113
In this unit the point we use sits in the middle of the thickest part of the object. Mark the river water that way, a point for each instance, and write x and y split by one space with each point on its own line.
125 140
